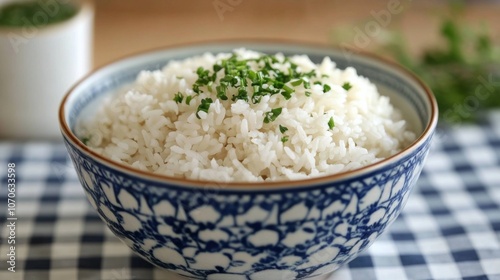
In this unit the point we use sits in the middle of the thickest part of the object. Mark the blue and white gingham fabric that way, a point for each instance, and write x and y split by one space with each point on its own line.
449 229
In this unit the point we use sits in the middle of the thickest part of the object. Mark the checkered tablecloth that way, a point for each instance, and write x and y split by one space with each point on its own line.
449 229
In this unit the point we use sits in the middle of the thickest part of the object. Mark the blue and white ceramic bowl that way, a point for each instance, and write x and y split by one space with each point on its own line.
279 230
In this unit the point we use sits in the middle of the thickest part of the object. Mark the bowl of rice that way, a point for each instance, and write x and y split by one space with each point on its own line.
248 160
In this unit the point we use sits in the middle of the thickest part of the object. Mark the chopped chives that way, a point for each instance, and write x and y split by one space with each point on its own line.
283 129
287 92
326 88
252 75
85 140
297 83
204 106
240 78
188 99
331 123
272 115
347 86
217 67
178 97
221 91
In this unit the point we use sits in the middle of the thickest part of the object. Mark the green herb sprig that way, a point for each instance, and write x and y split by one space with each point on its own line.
468 64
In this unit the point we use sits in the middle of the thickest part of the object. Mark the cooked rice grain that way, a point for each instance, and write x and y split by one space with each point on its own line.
144 127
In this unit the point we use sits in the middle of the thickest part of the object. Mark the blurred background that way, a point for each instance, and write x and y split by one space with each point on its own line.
451 45
127 26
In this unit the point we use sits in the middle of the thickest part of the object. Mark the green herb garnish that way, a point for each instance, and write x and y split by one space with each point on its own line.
272 115
242 95
204 106
297 83
178 97
331 123
188 99
287 92
284 139
222 91
204 80
86 139
347 86
250 80
326 88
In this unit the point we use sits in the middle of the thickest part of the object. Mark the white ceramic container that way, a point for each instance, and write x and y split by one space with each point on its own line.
37 66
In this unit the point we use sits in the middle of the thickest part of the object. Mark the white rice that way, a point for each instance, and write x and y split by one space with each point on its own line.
144 127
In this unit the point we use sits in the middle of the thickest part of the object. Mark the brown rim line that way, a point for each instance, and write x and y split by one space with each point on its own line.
85 7
236 185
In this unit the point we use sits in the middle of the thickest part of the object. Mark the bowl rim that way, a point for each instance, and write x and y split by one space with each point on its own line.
427 132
